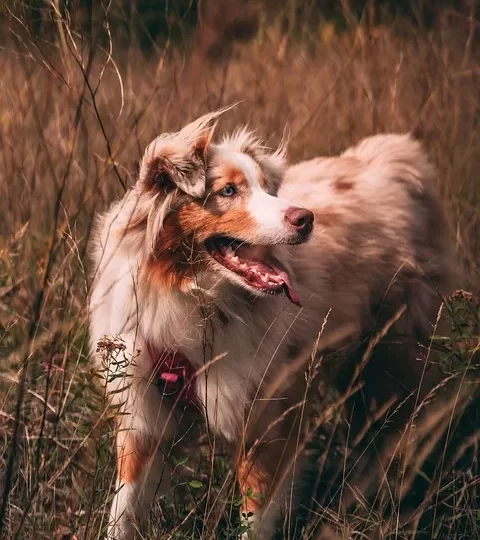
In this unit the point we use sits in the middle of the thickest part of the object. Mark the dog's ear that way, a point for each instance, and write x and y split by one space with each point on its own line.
179 159
273 167
274 164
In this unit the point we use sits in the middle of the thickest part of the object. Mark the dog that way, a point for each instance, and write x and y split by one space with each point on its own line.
221 266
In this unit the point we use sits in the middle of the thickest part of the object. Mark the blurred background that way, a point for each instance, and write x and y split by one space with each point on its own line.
85 86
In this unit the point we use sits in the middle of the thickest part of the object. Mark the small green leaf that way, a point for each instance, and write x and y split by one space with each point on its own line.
238 502
195 484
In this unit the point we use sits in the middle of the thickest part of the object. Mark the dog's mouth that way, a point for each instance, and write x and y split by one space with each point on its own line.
258 268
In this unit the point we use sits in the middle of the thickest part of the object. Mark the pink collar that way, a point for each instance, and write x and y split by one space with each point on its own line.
175 373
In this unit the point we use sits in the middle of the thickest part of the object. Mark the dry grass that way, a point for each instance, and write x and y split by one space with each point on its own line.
73 123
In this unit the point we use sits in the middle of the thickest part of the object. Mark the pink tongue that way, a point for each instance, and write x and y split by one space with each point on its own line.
288 285
257 253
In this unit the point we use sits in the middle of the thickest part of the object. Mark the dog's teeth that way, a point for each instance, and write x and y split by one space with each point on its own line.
244 266
229 252
235 259
265 278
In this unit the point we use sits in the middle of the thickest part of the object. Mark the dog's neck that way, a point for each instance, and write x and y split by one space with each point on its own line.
171 316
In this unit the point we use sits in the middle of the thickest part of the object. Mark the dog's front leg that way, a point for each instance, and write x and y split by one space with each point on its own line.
255 485
271 460
142 470
145 432
267 474
132 457
266 484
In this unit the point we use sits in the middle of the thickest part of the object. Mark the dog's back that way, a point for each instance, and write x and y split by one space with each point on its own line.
380 258
380 254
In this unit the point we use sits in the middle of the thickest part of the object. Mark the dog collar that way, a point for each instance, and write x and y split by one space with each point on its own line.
175 374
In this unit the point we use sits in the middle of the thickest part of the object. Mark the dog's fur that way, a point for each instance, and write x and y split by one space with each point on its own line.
378 256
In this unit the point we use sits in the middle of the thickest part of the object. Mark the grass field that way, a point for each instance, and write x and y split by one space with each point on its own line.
74 120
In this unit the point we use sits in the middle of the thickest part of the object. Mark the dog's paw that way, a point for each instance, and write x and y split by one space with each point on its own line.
248 522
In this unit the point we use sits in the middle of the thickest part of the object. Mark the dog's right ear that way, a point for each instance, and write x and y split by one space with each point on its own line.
178 160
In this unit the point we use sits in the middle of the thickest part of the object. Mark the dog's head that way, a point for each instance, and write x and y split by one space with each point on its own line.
213 209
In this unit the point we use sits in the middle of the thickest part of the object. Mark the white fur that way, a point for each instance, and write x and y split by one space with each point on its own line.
335 273
269 214
267 211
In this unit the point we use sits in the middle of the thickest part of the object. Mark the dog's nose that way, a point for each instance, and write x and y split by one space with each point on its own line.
300 218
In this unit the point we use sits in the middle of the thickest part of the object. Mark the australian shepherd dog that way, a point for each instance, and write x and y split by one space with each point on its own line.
221 267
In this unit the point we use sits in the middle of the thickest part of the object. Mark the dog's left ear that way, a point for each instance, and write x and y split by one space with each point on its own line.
273 167
273 164
179 159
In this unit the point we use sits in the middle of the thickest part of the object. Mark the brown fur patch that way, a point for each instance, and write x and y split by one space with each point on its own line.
160 174
343 184
176 260
166 272
131 458
254 485
202 222
229 174
177 256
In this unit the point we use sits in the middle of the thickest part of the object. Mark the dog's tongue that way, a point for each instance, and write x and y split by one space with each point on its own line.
288 285
261 255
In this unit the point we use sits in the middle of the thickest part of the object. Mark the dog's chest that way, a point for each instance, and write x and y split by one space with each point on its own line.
237 361
248 336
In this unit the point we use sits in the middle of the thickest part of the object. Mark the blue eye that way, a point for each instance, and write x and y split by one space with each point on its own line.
228 191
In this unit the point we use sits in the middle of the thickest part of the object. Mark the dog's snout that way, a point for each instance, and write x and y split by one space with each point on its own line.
300 218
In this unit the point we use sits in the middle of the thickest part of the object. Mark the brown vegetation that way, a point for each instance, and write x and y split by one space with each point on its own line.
73 123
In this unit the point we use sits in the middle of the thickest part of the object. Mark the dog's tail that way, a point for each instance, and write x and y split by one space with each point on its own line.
401 154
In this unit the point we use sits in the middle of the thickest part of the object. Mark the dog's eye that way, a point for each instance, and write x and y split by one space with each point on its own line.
228 191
